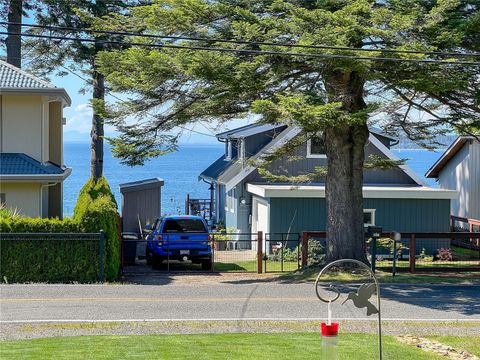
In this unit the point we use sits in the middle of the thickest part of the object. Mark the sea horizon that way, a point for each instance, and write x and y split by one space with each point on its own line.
180 170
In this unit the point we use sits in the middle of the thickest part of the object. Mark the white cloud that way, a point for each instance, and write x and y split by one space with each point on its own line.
80 120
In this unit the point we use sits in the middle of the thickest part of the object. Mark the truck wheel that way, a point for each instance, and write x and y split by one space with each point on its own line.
156 261
207 265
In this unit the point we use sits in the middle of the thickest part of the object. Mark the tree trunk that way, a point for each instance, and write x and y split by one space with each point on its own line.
345 146
14 42
97 133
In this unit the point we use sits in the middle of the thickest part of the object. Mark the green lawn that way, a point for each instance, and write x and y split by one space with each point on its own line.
464 277
251 266
470 343
206 346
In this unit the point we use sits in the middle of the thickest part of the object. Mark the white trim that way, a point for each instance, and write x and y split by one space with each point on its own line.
241 173
452 147
371 211
387 152
371 192
309 152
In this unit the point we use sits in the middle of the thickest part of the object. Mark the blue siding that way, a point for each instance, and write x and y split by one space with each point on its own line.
404 215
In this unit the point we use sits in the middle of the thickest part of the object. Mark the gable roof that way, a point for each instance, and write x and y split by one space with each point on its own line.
248 130
13 79
449 154
238 171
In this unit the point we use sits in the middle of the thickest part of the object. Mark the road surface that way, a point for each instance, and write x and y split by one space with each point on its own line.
236 300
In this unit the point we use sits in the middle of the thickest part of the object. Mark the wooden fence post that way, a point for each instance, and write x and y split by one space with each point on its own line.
304 249
260 252
412 252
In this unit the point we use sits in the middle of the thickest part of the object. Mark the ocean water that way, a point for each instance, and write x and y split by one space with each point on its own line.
179 170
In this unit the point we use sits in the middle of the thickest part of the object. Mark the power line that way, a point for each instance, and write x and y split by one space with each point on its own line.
245 51
244 42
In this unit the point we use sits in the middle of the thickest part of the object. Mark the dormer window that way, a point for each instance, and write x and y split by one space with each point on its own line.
316 148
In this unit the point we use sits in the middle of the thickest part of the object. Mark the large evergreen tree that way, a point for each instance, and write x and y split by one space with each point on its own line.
327 97
49 55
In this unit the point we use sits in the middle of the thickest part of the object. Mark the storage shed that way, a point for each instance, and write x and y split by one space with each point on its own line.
141 200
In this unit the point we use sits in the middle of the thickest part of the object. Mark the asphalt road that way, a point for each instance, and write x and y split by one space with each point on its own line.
255 300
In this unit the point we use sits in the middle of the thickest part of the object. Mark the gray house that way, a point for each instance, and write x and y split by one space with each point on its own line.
459 169
396 199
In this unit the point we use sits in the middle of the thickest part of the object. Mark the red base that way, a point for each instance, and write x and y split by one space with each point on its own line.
329 330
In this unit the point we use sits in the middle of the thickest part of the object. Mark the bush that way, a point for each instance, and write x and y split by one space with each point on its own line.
96 210
64 260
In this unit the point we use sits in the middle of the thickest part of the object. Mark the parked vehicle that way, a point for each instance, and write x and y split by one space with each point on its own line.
180 238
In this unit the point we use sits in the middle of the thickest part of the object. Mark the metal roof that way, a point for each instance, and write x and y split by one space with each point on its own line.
21 164
249 130
141 185
216 169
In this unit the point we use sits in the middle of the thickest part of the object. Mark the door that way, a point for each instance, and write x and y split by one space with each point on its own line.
260 218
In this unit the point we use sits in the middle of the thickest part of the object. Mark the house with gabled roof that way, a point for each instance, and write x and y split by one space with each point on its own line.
458 168
395 199
32 169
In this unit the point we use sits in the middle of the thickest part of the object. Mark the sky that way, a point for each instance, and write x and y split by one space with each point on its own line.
79 117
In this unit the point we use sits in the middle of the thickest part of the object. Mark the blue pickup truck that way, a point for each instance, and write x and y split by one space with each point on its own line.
180 238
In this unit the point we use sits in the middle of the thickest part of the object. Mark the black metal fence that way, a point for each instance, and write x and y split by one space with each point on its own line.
52 257
229 252
446 251
282 252
454 251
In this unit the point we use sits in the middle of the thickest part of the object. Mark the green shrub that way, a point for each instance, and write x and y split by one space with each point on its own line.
64 260
96 210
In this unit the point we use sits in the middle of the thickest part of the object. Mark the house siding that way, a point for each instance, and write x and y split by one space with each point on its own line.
403 215
475 180
302 165
456 176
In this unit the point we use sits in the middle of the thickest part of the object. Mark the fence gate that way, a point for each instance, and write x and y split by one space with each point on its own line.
282 252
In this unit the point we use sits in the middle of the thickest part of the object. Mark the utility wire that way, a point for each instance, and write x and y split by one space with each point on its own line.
244 42
245 51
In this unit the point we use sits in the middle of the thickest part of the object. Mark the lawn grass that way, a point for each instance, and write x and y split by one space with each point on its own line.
251 266
206 346
470 343
310 273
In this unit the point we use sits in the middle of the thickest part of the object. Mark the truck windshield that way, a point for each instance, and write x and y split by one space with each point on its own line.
184 226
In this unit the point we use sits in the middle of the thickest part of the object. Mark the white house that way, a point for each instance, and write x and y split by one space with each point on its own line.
459 169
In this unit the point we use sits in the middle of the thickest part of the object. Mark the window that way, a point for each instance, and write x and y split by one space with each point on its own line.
184 226
316 148
3 200
368 217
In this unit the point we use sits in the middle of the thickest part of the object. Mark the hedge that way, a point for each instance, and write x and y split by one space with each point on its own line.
64 260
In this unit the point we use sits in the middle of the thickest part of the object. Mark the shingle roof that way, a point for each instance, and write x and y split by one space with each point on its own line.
21 164
217 168
13 77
